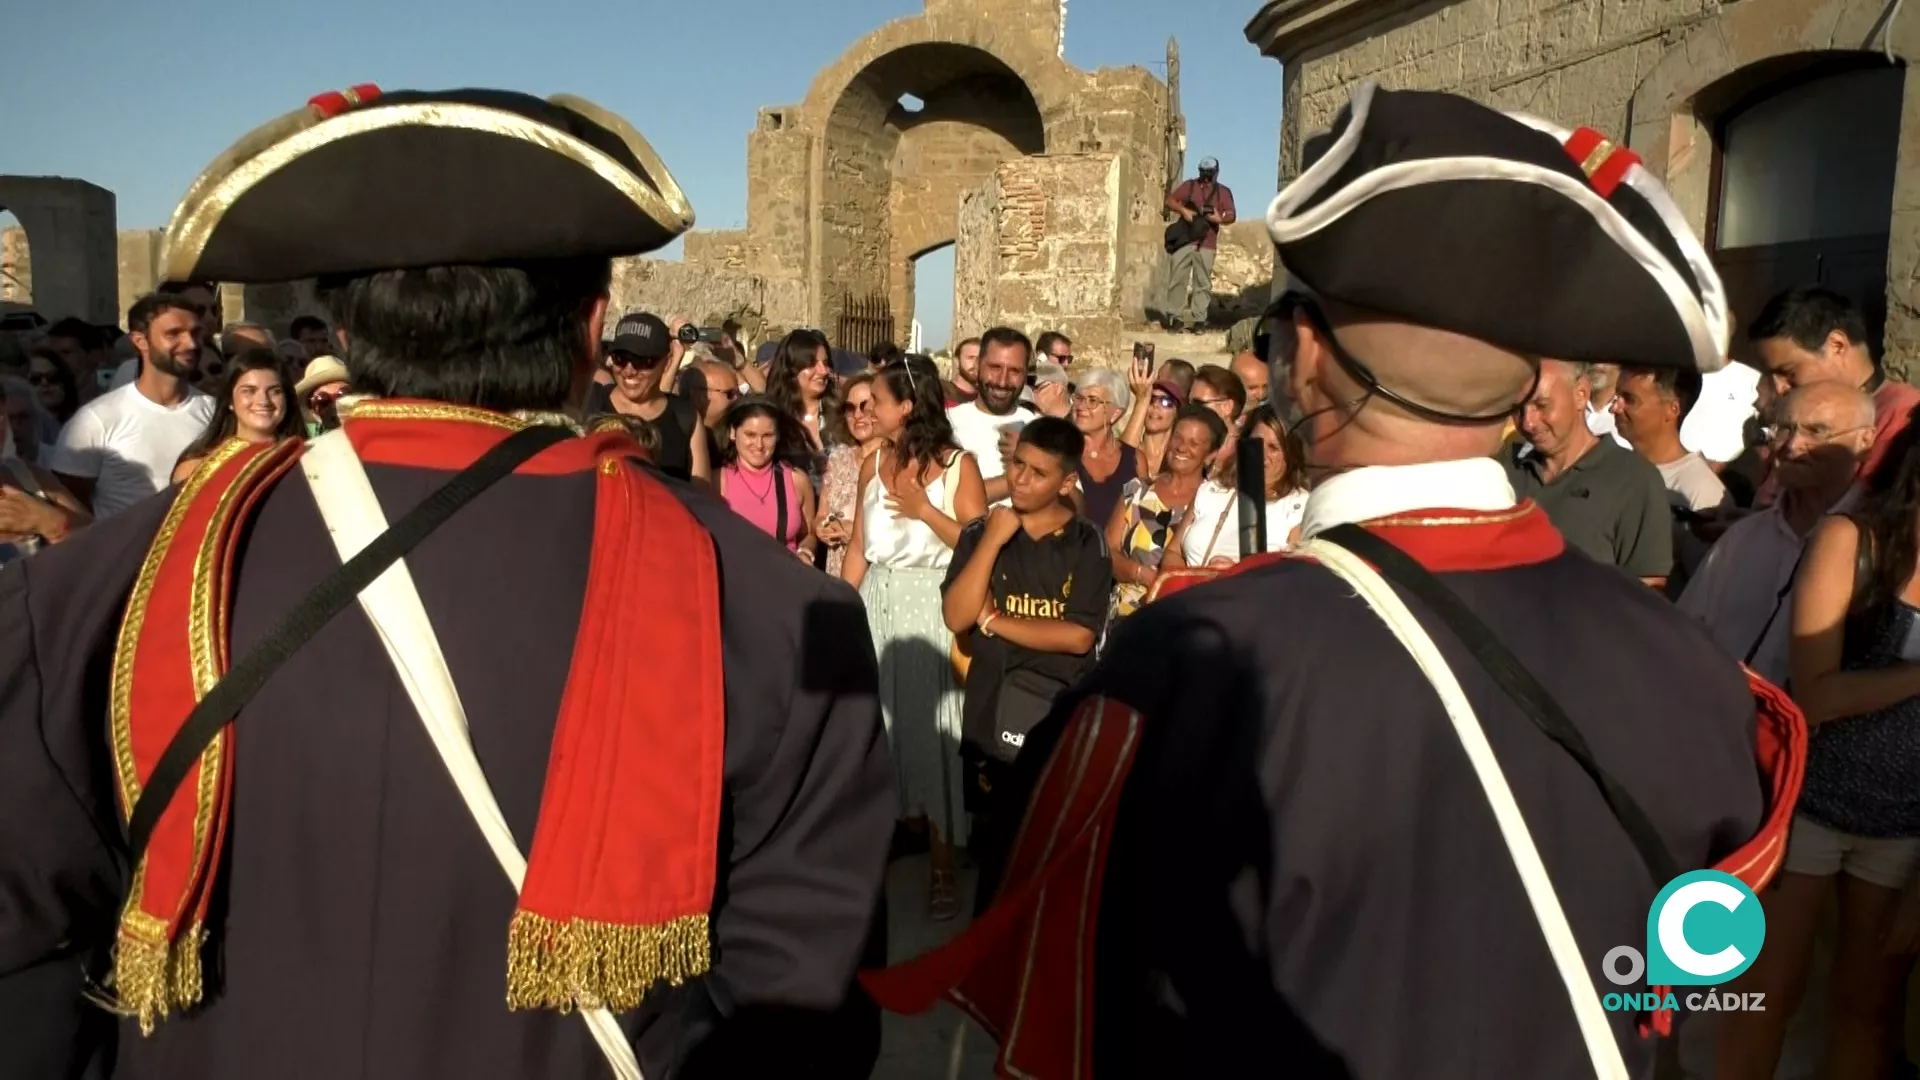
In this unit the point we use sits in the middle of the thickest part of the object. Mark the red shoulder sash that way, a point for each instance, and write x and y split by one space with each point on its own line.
621 873
172 650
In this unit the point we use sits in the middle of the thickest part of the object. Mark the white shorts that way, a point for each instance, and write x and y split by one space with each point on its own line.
1817 851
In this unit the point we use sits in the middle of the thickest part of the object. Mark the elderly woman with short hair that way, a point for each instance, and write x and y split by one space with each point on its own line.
1100 399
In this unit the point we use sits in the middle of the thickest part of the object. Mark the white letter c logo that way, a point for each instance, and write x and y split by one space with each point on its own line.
1673 937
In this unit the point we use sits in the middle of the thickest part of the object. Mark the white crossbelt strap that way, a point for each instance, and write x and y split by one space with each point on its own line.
1594 1029
355 520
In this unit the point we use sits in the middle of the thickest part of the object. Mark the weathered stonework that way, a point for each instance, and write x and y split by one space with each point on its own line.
848 187
68 226
1041 250
16 267
1657 73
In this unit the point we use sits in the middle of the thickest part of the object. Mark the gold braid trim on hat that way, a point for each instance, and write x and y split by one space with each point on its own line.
587 964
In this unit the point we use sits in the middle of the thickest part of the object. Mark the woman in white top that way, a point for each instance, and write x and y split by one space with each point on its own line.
915 494
1209 536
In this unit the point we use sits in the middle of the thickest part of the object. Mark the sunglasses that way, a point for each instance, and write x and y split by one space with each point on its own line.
1063 359
638 363
727 395
859 407
1164 401
41 378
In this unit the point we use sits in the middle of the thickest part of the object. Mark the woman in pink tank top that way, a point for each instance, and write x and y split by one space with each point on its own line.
756 486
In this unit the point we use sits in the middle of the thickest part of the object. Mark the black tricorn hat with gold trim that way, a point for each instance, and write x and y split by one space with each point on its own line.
361 181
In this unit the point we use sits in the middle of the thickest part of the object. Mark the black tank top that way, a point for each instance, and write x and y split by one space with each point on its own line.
1103 495
675 425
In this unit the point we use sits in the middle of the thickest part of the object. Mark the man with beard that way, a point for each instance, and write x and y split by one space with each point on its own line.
672 858
122 446
987 426
1293 824
963 388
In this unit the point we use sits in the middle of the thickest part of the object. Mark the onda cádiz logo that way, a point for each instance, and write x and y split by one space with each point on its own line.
1704 929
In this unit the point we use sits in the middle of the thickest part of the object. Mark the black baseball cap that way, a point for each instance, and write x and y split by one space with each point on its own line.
641 334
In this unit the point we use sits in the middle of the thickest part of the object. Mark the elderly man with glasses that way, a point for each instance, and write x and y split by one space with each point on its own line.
1741 591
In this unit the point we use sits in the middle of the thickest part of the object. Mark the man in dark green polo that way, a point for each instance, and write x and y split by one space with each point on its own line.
1607 501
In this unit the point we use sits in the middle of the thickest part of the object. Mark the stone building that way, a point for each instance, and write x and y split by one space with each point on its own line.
1782 126
851 185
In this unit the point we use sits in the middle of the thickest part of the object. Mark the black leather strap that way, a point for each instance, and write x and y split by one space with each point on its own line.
1513 677
330 598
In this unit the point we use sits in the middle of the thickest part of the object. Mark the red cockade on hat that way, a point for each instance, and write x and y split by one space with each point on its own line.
1604 163
334 102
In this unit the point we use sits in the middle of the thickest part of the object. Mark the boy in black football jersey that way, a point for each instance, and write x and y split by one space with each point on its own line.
1031 582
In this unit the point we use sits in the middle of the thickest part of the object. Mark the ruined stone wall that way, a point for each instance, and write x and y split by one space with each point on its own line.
16 267
703 292
976 260
69 227
947 149
1125 113
1242 269
779 157
724 249
1576 62
855 242
1040 250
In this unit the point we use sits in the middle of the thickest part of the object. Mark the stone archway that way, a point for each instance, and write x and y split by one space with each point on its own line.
892 173
1760 43
69 226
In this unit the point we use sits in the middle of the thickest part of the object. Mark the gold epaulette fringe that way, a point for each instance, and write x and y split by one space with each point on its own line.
153 976
584 964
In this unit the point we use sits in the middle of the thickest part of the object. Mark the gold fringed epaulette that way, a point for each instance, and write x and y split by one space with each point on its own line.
172 650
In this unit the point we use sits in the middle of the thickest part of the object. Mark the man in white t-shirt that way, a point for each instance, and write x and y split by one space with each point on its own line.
978 425
122 446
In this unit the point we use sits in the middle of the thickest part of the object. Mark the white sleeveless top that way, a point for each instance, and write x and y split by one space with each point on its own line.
1215 529
891 541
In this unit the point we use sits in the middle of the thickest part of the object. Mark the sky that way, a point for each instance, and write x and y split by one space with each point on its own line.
168 90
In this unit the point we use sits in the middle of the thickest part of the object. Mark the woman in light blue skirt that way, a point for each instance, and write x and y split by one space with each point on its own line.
915 495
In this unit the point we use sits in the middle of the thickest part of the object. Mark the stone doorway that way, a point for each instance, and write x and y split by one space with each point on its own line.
1803 181
912 131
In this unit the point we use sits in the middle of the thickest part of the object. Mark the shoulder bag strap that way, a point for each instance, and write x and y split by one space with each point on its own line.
779 501
355 521
1513 677
1595 1031
1215 538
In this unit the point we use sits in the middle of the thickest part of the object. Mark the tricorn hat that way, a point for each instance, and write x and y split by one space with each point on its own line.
1553 243
361 181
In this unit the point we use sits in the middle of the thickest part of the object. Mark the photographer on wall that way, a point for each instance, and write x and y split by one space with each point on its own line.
1204 206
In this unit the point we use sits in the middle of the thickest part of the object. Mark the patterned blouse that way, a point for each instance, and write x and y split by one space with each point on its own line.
1150 524
840 490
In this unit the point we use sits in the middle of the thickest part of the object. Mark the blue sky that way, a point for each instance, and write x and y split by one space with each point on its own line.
140 103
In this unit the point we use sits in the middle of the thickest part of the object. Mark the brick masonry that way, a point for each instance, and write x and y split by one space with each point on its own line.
1042 251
